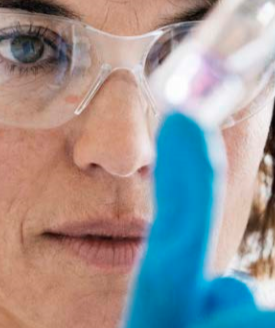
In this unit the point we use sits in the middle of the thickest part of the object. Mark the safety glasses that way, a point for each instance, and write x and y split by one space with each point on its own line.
51 67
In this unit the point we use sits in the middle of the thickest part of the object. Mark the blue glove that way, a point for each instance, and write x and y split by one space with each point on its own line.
171 290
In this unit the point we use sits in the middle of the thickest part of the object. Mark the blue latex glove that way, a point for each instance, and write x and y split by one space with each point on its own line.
171 290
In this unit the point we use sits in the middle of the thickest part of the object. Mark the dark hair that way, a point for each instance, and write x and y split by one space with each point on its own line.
261 225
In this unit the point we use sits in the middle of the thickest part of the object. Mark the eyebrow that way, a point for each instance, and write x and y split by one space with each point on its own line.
194 14
48 7
52 7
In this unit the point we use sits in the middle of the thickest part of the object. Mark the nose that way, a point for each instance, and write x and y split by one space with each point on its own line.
115 129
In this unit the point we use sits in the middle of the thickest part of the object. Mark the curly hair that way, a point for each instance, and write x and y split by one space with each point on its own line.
260 231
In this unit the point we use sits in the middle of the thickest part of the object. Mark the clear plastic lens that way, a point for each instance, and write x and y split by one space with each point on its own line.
165 45
45 70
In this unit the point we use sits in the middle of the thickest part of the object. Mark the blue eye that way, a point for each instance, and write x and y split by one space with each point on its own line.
27 49
32 48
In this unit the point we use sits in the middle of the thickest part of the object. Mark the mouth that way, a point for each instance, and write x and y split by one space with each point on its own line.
105 245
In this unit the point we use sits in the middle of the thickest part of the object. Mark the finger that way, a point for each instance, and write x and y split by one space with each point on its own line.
166 292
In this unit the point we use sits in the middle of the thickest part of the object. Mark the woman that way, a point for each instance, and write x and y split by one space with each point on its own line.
75 197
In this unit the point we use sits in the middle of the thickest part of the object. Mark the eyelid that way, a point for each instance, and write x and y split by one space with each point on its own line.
27 29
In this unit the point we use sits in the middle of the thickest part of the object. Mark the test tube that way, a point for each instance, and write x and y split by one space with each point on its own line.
222 65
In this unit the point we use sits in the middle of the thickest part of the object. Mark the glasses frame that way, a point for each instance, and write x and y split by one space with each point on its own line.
115 56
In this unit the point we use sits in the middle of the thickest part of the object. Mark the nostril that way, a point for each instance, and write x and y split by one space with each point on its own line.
94 166
145 171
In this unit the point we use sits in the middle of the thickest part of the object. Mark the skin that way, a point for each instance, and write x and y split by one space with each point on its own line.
78 169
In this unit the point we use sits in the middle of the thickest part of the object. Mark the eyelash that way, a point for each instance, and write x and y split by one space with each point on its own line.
49 38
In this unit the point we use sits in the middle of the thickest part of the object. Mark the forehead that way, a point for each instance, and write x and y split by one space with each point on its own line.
130 17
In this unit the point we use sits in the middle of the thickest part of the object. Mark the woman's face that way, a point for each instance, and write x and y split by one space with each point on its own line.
93 175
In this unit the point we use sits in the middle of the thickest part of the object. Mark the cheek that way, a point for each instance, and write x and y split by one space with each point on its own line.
23 156
245 144
25 161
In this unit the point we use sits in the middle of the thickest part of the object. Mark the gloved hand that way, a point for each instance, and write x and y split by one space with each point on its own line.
171 289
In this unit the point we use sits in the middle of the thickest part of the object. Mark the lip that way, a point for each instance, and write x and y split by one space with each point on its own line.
103 244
